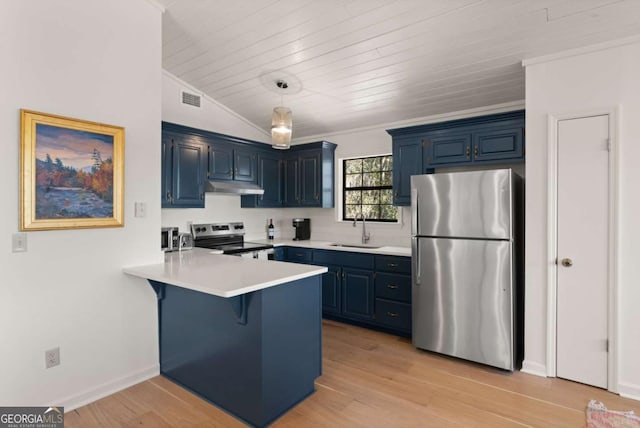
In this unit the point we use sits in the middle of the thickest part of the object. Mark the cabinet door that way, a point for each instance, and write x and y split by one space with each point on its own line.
167 170
189 164
498 144
270 178
245 165
357 293
407 161
310 178
291 192
447 149
220 161
331 295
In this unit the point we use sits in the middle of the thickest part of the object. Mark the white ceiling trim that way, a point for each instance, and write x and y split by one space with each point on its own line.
460 114
583 50
211 100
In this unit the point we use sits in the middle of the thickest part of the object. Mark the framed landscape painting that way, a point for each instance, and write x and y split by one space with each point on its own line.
71 173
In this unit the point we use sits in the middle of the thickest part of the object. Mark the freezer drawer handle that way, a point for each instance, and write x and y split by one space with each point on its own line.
392 314
392 287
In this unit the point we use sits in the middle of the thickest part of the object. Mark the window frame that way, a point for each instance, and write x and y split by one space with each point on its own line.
364 188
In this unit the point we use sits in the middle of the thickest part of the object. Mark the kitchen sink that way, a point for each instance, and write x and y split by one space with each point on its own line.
355 246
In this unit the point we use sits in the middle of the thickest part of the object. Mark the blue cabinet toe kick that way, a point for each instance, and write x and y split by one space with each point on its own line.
255 356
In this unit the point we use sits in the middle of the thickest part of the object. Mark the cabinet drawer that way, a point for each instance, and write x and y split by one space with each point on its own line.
393 286
299 255
343 258
393 314
394 264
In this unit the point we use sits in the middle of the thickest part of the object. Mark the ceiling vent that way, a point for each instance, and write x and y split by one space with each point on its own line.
190 99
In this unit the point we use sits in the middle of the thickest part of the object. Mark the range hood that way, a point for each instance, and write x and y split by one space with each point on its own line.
233 188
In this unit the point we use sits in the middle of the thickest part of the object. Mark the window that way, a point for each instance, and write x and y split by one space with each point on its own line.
367 189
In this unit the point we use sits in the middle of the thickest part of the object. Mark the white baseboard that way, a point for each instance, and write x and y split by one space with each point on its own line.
108 388
533 368
628 390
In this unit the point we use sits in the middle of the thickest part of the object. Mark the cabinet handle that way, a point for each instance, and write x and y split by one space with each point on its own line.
467 152
337 275
201 196
475 151
392 287
299 254
169 197
392 264
392 314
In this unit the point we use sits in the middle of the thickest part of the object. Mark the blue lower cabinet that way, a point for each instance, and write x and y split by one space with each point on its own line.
299 255
256 355
331 287
393 286
279 254
393 314
357 293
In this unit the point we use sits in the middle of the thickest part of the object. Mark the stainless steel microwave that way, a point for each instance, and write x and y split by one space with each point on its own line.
170 239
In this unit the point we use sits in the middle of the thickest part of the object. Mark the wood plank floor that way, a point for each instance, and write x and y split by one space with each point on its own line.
373 379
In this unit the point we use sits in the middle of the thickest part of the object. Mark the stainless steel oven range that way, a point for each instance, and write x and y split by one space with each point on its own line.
229 238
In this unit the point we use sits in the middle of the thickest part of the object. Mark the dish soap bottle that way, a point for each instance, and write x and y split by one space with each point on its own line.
270 229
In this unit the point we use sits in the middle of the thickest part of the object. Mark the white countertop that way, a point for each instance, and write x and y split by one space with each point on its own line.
209 272
325 245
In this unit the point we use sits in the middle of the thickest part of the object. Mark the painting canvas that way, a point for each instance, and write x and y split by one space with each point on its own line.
71 173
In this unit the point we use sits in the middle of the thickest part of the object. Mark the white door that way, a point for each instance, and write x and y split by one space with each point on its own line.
583 251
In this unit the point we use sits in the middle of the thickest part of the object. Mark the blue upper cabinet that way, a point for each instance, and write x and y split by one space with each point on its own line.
184 170
308 175
447 149
498 143
301 176
270 179
492 139
245 165
220 161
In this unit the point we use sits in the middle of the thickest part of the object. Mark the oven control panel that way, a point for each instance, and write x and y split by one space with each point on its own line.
205 230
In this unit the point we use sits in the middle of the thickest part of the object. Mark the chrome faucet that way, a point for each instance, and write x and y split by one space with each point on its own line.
365 236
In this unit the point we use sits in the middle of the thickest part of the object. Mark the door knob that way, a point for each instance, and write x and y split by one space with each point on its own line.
567 262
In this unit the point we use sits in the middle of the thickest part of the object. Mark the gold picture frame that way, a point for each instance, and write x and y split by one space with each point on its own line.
71 173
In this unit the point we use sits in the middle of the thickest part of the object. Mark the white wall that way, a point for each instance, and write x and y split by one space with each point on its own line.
603 79
98 61
324 222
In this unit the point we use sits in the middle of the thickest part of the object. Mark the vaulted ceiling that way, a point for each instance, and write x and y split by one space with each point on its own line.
357 63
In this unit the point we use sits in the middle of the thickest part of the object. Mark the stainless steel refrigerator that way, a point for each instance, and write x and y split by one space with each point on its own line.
467 265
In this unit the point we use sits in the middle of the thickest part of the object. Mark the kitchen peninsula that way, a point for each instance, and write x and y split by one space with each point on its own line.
244 334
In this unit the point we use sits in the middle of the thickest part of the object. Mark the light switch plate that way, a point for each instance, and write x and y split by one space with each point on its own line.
140 209
19 242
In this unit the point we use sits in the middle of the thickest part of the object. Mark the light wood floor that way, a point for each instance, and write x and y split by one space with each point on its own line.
372 379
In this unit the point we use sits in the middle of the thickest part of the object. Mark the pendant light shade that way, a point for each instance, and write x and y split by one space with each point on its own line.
281 126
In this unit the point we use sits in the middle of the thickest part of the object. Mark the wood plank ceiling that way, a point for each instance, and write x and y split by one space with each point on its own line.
367 62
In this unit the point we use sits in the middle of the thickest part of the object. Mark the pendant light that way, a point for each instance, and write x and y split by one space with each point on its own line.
281 122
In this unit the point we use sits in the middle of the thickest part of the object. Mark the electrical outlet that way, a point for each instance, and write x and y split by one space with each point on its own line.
19 242
140 209
52 357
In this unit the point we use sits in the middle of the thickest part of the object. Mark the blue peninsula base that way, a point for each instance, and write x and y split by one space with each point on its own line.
255 355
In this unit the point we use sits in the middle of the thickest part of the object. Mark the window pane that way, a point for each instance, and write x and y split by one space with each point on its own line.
371 179
388 212
387 163
371 164
386 196
351 210
353 196
353 165
354 180
371 211
371 196
386 178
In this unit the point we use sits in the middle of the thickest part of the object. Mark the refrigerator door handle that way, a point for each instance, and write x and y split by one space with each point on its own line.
414 211
415 259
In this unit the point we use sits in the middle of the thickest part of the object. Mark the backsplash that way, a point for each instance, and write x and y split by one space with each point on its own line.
324 227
